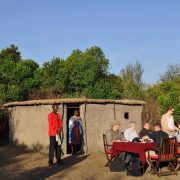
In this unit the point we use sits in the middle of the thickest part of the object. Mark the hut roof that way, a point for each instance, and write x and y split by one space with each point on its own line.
72 100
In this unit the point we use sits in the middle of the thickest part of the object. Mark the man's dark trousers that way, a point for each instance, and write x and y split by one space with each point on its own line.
54 147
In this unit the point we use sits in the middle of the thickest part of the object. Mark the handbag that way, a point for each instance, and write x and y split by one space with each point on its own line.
117 165
133 167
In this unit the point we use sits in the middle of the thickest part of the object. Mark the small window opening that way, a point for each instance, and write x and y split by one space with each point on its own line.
126 115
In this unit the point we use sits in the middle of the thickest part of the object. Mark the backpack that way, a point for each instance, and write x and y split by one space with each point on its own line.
117 165
133 167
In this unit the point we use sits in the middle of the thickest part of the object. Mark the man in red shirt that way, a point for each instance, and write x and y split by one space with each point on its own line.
55 128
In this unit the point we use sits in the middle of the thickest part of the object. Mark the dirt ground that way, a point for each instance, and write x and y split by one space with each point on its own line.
19 163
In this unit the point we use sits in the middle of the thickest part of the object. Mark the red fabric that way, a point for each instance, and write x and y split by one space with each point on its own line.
153 157
109 151
54 123
178 152
166 156
77 135
133 147
178 148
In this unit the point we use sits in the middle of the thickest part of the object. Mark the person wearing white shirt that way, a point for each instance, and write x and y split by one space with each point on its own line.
131 133
177 133
167 122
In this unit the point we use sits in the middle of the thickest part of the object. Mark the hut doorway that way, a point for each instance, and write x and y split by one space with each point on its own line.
4 127
70 112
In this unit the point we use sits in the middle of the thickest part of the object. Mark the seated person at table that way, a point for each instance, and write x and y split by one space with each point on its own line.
155 136
145 130
131 133
114 133
177 133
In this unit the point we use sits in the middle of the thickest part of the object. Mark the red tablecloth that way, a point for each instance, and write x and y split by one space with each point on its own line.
178 148
132 147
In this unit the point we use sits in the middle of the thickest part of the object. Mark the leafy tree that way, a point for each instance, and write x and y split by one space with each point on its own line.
131 90
17 80
132 81
10 53
169 94
173 72
24 77
6 75
106 88
75 75
133 73
85 69
52 76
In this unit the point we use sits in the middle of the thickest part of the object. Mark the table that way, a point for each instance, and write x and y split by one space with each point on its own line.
133 147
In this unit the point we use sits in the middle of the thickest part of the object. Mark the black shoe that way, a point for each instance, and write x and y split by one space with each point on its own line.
51 164
59 162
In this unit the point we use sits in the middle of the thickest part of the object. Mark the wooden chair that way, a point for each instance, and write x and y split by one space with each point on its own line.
108 150
166 154
178 156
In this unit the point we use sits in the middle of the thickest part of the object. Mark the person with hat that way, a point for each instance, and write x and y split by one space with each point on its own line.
114 133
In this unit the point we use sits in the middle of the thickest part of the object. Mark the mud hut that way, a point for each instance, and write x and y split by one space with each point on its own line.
28 120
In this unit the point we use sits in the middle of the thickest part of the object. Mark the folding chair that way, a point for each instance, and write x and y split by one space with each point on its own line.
108 150
166 154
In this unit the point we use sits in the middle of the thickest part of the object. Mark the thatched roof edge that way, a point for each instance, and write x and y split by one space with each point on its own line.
71 100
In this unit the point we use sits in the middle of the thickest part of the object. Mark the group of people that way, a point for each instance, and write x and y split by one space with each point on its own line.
55 132
165 129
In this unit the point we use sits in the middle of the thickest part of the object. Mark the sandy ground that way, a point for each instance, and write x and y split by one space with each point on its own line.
19 163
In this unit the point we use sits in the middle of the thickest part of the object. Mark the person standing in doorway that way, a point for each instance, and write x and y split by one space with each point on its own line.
75 132
54 131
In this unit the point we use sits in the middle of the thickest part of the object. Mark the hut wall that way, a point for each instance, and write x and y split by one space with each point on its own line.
134 113
99 118
29 126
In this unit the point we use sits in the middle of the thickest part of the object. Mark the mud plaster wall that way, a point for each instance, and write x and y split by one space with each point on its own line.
29 125
99 118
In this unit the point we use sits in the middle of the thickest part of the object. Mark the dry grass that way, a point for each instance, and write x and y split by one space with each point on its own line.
19 163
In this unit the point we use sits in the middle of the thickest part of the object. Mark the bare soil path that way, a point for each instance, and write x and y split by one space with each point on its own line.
19 163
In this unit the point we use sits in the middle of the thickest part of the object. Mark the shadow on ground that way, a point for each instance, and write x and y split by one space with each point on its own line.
14 163
42 173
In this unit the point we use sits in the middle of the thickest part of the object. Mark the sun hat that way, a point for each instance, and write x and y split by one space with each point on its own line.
115 123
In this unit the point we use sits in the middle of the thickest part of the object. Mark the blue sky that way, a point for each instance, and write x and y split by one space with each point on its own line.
126 30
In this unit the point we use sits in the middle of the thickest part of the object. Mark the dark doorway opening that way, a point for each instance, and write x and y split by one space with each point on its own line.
4 127
70 112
